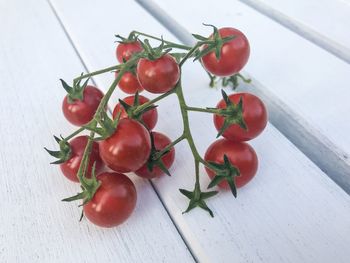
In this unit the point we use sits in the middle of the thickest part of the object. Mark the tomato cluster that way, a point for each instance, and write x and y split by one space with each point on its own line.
132 145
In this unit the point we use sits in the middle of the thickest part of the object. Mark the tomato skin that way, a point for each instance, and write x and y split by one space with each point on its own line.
126 50
113 202
128 148
70 167
160 142
158 76
240 154
81 112
149 117
129 83
234 54
254 115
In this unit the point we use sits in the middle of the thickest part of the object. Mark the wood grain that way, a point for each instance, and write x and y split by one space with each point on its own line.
35 225
291 211
324 22
303 85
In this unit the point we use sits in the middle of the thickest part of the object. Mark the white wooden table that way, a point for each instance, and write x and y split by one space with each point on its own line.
297 209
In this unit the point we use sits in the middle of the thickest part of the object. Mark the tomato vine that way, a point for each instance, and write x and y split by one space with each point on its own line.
103 126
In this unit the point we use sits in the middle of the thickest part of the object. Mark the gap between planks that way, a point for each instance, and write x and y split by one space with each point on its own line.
330 159
301 29
110 111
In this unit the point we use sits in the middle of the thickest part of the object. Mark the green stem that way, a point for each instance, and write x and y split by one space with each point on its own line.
171 44
74 133
243 78
151 102
190 53
172 144
211 77
197 187
96 73
86 156
187 132
214 111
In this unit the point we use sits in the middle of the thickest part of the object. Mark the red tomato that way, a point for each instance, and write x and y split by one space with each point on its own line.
240 154
129 83
70 167
113 202
254 115
233 57
80 112
126 50
149 118
160 142
128 148
158 76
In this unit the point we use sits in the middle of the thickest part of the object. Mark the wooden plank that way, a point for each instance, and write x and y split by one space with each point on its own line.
35 225
291 212
291 74
323 22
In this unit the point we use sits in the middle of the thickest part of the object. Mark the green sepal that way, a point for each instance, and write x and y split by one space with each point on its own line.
124 105
213 44
154 53
130 39
225 171
209 48
197 198
155 159
130 109
106 128
89 187
233 114
199 37
76 92
63 154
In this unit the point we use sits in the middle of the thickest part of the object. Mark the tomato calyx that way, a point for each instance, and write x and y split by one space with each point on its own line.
225 171
155 158
154 53
130 39
197 199
132 111
107 125
233 114
76 92
63 154
89 187
233 81
213 43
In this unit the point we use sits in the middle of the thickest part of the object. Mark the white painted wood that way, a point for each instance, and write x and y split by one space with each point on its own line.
291 212
303 85
35 225
324 22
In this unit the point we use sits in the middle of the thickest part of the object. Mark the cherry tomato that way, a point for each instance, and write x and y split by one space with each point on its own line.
158 76
233 57
70 167
160 142
129 83
128 148
126 50
254 116
113 202
240 154
80 112
149 118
